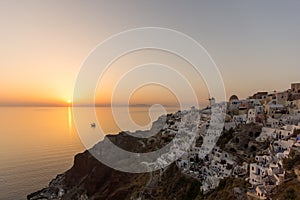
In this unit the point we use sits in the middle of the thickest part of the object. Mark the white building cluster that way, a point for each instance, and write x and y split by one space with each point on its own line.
279 115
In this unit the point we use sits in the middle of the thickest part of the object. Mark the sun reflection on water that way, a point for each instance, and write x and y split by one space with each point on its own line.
70 118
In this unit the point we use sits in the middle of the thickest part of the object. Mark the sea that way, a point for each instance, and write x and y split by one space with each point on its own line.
37 143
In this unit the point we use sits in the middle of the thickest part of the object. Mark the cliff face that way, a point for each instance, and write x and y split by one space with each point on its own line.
96 180
290 189
90 179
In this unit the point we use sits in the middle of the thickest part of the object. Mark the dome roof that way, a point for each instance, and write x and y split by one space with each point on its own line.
233 97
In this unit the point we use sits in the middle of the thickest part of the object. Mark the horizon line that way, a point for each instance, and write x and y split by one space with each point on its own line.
83 105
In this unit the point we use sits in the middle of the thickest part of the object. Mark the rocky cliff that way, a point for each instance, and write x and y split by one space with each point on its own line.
90 179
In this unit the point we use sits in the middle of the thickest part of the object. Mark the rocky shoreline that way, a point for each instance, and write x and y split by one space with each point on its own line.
90 179
55 189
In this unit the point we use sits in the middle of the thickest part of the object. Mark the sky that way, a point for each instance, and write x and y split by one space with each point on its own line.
255 45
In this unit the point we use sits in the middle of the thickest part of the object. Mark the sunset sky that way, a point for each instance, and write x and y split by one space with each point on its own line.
255 44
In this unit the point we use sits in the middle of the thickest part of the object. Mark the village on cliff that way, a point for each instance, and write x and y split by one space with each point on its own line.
259 133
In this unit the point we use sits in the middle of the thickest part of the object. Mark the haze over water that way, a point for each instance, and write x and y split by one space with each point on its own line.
37 143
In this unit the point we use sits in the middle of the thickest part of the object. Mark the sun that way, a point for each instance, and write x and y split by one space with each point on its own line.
69 101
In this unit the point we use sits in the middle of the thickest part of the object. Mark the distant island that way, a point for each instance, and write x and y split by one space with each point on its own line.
256 155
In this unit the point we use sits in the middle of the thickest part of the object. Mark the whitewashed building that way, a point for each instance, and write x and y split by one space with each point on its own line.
251 117
257 173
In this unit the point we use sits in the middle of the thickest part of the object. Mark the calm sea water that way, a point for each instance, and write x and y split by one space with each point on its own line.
37 143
